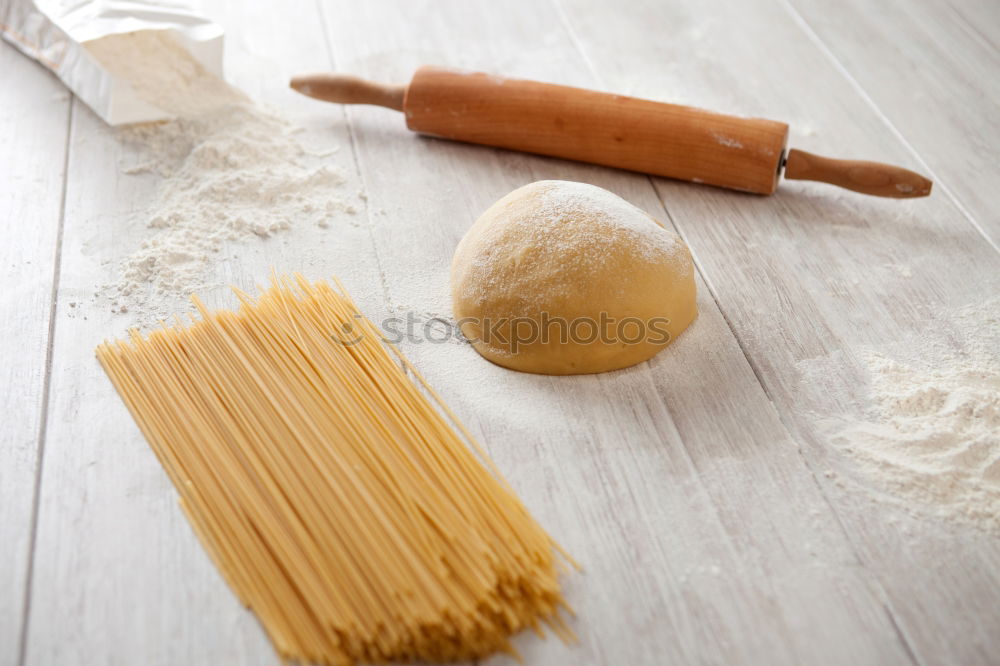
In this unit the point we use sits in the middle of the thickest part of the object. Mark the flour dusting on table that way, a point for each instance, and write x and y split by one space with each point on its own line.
231 172
933 435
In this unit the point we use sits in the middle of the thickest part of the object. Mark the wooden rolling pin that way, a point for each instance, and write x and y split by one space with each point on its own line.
652 137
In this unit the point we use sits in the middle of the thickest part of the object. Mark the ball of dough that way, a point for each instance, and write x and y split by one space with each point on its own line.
565 278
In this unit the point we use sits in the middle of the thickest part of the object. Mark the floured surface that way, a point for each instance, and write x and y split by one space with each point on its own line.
705 538
230 172
118 575
930 436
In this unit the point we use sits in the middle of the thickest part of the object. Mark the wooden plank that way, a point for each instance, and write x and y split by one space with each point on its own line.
34 117
932 69
672 482
814 274
119 576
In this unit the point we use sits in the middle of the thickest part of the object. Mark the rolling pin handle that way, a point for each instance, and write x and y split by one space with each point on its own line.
881 180
347 89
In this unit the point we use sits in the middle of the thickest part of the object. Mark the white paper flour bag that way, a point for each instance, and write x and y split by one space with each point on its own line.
60 33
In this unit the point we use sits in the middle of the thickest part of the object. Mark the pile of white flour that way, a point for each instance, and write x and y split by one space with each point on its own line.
231 171
933 435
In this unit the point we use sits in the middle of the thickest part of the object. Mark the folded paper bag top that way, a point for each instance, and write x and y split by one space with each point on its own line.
56 33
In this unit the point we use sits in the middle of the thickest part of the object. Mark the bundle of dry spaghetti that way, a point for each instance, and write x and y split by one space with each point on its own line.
341 505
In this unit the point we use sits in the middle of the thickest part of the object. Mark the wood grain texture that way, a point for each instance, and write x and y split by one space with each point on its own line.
34 116
119 576
715 521
933 70
597 127
668 481
813 275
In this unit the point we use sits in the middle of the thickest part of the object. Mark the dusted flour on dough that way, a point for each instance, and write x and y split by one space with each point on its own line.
570 220
564 278
231 172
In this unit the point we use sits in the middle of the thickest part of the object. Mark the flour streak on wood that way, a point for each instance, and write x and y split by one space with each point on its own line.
812 272
34 112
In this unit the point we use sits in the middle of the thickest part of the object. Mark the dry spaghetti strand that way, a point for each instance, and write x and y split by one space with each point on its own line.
341 504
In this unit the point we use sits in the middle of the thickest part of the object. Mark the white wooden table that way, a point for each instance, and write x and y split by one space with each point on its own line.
695 488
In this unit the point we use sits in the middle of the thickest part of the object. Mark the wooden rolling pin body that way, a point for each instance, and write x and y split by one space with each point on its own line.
640 135
650 137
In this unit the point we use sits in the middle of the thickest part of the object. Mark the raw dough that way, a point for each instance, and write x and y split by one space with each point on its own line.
565 278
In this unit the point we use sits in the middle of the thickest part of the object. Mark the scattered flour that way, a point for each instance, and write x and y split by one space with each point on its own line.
230 171
933 437
727 141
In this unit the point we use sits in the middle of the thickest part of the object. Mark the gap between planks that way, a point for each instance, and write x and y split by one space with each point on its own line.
22 641
939 183
842 528
808 477
349 123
